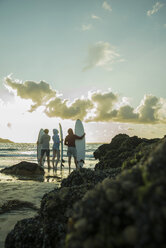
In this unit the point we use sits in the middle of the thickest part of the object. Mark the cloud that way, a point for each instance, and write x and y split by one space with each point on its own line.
42 95
126 113
39 93
148 109
77 110
86 27
104 103
155 8
5 95
95 17
106 6
97 107
101 54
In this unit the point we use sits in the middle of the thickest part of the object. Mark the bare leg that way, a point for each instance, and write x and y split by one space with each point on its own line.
41 158
69 162
53 158
48 162
58 157
75 161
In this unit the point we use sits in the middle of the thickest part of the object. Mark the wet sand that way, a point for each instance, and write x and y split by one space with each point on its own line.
25 190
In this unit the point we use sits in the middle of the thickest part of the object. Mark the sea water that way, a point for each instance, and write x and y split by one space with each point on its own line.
12 188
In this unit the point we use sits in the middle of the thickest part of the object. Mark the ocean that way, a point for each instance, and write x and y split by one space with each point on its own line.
12 188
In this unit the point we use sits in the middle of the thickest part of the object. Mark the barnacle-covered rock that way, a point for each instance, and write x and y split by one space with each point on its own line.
121 148
15 205
27 233
126 212
24 168
83 176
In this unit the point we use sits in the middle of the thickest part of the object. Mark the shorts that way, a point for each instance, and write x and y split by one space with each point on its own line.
43 151
72 152
55 148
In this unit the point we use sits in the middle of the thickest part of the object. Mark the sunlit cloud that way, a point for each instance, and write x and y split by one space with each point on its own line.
103 103
106 6
148 109
98 106
63 109
86 27
5 95
42 95
39 93
95 17
102 54
155 8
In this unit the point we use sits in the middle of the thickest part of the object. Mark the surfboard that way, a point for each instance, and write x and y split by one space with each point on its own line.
61 144
39 146
80 143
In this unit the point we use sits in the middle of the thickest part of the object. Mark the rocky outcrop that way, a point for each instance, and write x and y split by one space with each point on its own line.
27 233
127 212
121 148
84 176
24 169
5 141
50 227
16 205
121 206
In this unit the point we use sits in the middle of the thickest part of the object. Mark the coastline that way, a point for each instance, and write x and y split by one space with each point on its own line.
84 211
14 188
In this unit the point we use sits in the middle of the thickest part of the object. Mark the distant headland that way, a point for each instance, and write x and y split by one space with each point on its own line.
5 141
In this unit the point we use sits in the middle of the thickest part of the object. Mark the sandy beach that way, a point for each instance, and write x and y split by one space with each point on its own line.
31 191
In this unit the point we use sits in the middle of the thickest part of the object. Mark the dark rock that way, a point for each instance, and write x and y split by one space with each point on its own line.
126 212
84 176
156 161
15 205
139 156
56 209
24 169
121 148
27 233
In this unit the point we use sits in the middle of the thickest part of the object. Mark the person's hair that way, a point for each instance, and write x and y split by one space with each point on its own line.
70 131
46 130
55 131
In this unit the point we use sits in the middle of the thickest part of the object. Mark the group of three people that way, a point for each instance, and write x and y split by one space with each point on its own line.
69 142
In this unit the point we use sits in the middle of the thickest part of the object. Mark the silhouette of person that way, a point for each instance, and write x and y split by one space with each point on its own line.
70 142
55 148
45 139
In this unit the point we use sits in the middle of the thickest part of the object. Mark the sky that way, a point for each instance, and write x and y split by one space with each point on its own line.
99 61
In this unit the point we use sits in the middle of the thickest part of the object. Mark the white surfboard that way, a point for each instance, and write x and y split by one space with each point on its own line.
80 143
39 146
61 144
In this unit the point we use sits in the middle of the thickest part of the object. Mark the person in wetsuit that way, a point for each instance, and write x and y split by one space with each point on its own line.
70 142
